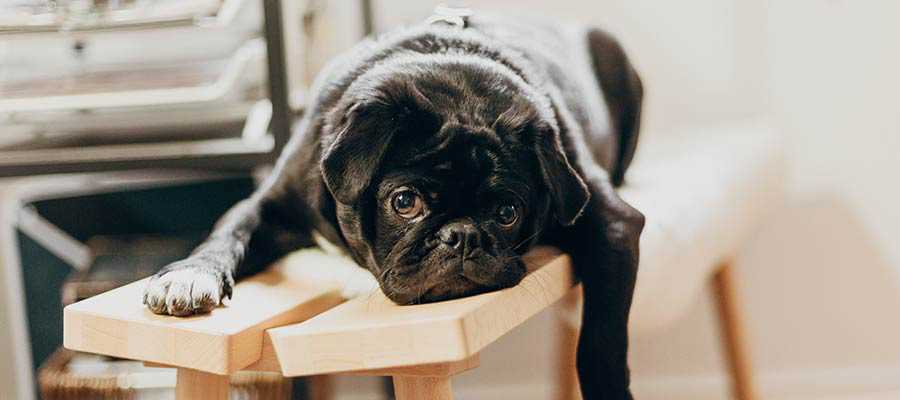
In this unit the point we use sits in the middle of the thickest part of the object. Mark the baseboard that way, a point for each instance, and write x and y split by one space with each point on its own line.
791 384
831 381
523 391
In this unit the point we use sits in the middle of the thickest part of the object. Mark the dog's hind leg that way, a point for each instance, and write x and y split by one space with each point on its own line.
603 244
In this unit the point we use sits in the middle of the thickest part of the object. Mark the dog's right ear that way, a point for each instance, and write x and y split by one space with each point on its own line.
361 140
568 192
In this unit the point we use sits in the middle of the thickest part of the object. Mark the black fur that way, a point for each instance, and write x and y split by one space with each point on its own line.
509 133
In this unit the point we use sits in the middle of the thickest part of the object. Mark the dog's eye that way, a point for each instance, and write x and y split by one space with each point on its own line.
407 203
507 214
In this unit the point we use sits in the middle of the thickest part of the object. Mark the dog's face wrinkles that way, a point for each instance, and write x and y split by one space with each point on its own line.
455 223
441 181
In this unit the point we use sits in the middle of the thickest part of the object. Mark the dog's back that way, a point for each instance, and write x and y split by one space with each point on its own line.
583 71
595 80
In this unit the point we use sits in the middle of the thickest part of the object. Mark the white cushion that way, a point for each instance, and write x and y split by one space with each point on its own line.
702 192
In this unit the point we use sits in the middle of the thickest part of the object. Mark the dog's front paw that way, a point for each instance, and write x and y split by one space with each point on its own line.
187 287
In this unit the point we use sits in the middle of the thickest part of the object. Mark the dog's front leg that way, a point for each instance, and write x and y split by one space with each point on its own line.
603 244
245 240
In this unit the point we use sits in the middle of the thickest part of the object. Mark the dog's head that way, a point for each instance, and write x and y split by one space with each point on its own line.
444 172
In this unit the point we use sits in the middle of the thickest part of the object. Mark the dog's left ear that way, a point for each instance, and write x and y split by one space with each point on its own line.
364 132
568 192
359 145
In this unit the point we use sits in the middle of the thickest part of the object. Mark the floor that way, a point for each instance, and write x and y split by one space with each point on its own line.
853 396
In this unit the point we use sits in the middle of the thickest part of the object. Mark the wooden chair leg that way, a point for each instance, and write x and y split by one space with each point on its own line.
730 319
422 388
732 331
192 384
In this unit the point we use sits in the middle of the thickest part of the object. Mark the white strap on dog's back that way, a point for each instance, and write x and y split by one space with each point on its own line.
457 16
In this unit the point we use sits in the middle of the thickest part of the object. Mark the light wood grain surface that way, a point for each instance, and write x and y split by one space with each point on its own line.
412 388
370 332
194 385
228 339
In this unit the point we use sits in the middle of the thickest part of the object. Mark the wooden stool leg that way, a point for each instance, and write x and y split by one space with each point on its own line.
422 388
192 385
732 329
321 387
568 313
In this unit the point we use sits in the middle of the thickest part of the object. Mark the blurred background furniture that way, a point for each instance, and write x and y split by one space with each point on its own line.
91 85
56 227
70 375
702 195
96 85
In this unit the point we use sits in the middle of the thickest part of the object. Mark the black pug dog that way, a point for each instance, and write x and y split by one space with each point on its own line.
439 154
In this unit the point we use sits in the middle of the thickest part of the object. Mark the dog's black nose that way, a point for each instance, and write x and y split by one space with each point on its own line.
460 236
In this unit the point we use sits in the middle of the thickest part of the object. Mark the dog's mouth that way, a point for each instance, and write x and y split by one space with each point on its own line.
454 278
453 288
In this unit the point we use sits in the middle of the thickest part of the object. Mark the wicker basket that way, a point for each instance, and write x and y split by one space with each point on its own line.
71 375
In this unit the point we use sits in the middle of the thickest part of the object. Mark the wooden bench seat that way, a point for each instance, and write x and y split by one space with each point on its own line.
364 333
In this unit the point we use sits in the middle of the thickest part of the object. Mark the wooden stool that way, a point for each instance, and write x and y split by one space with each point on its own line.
262 329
